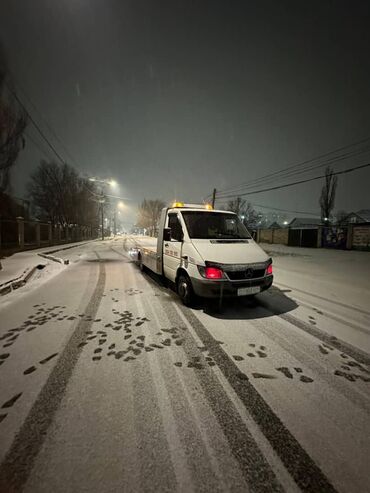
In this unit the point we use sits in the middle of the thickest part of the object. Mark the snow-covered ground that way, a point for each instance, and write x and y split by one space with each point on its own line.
333 281
23 264
17 264
108 383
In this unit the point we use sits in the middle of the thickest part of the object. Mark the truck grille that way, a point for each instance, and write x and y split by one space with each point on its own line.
241 275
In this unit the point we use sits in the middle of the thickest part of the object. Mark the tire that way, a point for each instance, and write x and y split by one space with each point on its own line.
140 264
185 290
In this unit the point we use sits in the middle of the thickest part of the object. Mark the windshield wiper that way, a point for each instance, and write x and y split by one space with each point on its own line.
229 235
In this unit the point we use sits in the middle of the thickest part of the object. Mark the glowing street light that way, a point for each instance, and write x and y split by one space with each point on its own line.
112 183
102 197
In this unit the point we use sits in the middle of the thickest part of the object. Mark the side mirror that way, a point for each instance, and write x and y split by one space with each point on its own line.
167 234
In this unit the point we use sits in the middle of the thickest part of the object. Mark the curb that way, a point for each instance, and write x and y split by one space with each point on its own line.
64 248
17 282
21 280
54 259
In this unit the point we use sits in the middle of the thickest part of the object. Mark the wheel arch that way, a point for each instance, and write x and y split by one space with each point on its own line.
180 271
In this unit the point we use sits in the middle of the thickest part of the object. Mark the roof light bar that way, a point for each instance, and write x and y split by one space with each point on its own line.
192 206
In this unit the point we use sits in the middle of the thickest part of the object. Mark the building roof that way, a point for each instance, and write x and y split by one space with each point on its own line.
305 222
274 225
364 214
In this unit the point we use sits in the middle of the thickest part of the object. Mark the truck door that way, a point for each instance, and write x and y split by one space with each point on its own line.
172 249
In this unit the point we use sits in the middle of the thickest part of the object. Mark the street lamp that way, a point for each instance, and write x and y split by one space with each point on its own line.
120 206
102 198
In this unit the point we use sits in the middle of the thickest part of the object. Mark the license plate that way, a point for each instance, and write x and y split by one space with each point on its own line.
250 290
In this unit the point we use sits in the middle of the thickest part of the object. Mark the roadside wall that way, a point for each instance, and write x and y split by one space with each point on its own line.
276 235
355 237
264 236
17 235
361 237
280 236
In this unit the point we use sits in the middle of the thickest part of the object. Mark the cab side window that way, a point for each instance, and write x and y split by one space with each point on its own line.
176 229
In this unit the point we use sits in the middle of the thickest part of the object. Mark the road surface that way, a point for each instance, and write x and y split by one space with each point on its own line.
108 383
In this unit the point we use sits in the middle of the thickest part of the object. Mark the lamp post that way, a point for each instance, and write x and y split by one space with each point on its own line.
102 199
120 206
112 183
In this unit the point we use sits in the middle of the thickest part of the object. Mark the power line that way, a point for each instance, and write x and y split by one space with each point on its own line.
283 210
44 120
310 161
42 150
286 210
44 137
37 144
266 181
349 170
284 170
35 124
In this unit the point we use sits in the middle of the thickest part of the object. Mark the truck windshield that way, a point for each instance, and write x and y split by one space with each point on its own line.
214 225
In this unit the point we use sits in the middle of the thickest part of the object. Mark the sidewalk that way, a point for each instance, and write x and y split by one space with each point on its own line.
17 267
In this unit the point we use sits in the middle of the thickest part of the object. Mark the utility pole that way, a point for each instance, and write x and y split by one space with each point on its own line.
102 219
214 198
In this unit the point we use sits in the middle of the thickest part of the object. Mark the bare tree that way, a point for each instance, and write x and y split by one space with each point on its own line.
244 210
327 197
61 196
342 216
249 215
149 213
13 121
236 205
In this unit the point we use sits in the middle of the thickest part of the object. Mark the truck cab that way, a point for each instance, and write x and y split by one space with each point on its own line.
209 253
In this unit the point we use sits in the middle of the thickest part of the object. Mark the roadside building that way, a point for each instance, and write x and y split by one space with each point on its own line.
362 216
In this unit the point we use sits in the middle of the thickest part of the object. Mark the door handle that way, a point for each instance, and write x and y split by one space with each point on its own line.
166 244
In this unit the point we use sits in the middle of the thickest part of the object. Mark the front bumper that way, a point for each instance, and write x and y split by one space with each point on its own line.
215 288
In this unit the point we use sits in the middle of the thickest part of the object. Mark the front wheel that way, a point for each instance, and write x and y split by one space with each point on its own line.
140 264
185 290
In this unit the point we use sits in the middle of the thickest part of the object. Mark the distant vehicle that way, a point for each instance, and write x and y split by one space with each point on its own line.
205 252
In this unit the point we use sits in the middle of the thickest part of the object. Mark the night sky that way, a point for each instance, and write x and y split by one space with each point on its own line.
173 98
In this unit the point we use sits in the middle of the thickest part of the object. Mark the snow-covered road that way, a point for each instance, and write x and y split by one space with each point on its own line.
108 383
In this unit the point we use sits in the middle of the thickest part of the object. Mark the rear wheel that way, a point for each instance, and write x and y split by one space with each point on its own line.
185 290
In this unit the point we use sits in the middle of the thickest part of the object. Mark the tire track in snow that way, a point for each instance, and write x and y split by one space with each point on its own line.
344 305
307 475
302 468
18 462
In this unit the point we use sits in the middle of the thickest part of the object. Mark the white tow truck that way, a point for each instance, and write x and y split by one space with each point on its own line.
205 252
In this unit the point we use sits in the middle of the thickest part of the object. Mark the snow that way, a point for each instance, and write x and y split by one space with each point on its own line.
334 282
19 265
152 402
